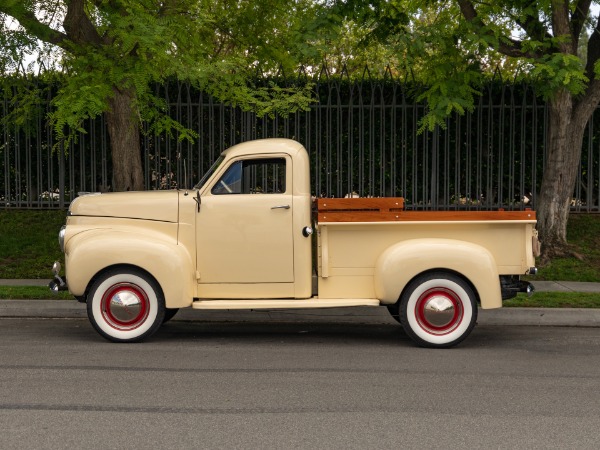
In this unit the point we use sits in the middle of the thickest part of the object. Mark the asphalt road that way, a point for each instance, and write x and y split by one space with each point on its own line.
296 385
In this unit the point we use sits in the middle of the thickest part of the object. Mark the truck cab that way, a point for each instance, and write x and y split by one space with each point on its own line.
250 219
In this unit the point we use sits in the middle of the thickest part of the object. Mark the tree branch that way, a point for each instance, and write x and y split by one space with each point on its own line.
28 20
506 45
533 27
561 26
593 51
586 106
78 25
582 10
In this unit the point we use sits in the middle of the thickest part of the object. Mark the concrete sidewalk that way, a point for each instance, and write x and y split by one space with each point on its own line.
565 286
69 309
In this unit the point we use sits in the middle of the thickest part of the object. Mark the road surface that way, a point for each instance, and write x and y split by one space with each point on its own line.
296 385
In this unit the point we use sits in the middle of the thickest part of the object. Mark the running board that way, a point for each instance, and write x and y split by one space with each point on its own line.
284 303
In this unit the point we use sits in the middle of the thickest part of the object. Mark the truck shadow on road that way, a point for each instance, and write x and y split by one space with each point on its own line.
282 332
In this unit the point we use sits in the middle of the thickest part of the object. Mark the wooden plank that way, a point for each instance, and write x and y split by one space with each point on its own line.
386 204
358 216
423 216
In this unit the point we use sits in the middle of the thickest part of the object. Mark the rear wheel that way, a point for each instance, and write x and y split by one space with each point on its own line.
126 305
438 309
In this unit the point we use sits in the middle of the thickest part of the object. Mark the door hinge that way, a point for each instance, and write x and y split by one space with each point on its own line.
197 275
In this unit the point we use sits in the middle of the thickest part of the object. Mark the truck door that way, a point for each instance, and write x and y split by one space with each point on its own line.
244 227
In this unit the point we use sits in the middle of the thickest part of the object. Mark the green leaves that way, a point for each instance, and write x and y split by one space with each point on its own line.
559 71
131 45
451 47
453 94
82 97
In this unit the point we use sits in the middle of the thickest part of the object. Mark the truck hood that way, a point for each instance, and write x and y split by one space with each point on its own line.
162 206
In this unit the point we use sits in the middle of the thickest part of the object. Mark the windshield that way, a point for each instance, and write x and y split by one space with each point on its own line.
210 171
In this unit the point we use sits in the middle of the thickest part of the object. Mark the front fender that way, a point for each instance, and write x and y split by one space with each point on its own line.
401 262
88 253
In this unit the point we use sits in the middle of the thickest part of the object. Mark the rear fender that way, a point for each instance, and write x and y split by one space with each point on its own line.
401 262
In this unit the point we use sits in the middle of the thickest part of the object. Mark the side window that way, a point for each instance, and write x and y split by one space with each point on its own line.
254 176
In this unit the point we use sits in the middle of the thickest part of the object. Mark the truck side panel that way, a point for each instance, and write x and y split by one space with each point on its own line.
349 254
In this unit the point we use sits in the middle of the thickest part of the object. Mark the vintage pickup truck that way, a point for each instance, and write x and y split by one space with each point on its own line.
242 238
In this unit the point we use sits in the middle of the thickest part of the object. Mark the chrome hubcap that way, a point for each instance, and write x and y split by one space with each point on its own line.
439 311
125 306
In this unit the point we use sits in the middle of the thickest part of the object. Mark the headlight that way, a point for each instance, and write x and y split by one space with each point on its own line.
61 238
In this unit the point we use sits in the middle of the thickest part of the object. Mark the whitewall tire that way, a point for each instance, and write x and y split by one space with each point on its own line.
125 305
438 309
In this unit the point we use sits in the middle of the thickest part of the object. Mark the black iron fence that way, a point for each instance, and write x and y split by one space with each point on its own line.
362 138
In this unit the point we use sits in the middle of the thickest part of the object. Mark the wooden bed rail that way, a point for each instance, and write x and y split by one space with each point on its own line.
359 209
391 209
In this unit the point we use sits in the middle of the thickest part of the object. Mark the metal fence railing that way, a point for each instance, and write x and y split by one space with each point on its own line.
362 138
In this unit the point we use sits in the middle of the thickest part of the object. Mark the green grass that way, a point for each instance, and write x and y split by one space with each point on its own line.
583 234
29 242
555 300
32 292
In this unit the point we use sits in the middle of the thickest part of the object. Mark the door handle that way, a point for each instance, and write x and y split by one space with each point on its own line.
281 207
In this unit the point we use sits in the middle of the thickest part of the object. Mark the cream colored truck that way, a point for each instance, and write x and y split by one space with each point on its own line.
241 239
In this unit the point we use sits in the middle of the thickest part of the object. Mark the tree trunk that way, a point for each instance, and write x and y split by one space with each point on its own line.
124 133
565 139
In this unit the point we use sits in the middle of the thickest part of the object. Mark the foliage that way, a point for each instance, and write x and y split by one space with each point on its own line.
558 71
451 46
99 46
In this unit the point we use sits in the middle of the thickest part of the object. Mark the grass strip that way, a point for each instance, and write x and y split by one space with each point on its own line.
32 293
555 300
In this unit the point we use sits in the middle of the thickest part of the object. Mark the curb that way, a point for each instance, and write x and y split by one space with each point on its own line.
70 309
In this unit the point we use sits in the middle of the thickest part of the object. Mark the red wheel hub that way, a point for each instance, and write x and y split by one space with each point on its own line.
439 311
125 306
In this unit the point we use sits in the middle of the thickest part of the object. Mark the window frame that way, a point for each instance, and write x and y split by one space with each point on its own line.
248 161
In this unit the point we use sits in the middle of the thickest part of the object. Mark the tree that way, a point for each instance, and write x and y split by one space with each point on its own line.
110 52
449 45
551 32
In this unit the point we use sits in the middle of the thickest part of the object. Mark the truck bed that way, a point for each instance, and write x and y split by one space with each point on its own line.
354 233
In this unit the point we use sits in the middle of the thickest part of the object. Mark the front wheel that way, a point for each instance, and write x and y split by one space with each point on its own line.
125 305
438 309
394 311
